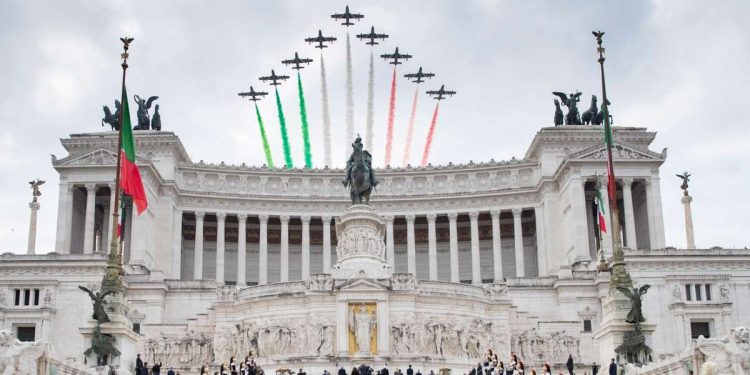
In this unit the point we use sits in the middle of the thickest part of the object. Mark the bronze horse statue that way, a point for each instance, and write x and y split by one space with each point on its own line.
359 174
589 116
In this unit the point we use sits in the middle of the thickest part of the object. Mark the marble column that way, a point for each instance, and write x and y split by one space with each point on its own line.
411 255
241 249
627 198
104 246
326 244
453 231
686 201
657 212
284 258
68 218
541 240
518 237
305 247
607 244
198 262
432 246
220 237
263 251
177 244
578 224
497 253
64 195
34 206
110 218
389 245
476 271
88 231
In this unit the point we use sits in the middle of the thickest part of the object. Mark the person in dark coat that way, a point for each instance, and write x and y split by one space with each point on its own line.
354 371
594 368
569 364
613 368
342 371
138 364
156 369
384 371
419 372
171 371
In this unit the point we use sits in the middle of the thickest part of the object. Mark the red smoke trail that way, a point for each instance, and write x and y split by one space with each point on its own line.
410 129
429 136
391 115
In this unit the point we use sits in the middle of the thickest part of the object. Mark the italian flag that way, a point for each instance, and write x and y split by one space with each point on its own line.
600 210
130 177
611 184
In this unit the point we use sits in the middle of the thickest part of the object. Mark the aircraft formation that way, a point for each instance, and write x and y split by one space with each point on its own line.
321 41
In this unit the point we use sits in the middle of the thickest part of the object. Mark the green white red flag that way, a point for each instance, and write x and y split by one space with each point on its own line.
611 184
130 176
601 212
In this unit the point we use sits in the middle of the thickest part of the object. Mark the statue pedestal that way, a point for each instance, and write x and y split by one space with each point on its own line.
121 329
361 247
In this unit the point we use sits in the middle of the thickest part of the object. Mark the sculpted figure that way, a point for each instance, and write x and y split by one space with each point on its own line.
361 322
359 174
558 114
727 355
144 120
18 357
112 119
636 313
589 116
572 118
98 298
685 177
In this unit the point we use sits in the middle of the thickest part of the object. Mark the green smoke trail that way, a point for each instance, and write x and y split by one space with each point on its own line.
284 135
305 129
266 147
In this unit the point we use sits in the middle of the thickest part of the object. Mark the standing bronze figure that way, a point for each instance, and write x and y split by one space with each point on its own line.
144 120
685 177
35 192
570 101
359 174
98 298
635 315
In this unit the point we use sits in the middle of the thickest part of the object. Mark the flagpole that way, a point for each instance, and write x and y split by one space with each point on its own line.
619 276
112 280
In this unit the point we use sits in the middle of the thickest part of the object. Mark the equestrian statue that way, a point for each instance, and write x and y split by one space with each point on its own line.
360 178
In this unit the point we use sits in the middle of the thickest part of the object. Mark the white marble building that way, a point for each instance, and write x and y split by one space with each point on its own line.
495 255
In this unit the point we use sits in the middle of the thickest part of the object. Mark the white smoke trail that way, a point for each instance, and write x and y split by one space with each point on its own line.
370 103
326 112
349 98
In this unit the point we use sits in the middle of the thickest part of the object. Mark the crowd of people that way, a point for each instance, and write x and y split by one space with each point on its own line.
490 365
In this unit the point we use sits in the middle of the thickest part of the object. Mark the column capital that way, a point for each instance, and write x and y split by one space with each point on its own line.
305 219
474 215
326 219
452 216
517 212
242 218
410 218
221 216
627 182
90 188
71 187
263 218
111 188
199 215
495 214
431 218
284 219
389 219
647 182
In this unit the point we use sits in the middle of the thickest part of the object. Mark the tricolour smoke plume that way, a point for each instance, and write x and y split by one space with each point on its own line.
430 133
391 115
266 147
326 112
284 134
410 129
305 128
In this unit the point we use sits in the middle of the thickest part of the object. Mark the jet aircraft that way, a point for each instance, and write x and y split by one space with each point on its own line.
274 78
347 17
372 36
253 95
440 94
297 62
396 56
419 76
320 39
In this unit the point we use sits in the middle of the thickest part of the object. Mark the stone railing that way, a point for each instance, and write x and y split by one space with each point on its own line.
276 289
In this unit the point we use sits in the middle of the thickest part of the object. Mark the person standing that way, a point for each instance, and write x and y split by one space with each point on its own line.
138 364
170 371
342 371
409 371
156 370
569 364
384 371
594 368
419 372
613 368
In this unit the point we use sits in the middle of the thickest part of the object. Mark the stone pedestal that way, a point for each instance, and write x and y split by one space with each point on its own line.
34 205
686 201
361 247
119 327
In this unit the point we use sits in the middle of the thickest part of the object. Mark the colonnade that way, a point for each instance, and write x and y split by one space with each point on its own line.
411 258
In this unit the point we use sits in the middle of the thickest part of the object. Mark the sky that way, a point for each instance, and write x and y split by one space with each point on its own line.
675 67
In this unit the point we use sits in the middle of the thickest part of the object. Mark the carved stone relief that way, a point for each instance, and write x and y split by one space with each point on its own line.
193 349
553 348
